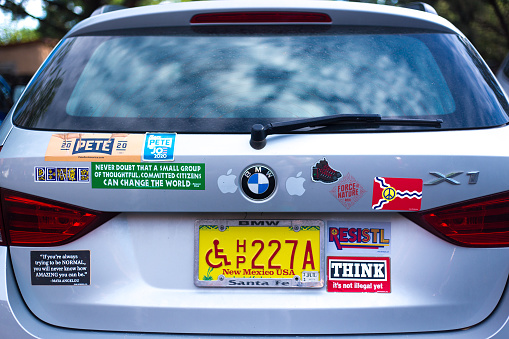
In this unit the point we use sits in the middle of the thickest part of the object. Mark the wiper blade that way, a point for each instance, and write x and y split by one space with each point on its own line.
260 132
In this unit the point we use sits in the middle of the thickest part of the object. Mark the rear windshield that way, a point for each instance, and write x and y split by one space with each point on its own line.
224 81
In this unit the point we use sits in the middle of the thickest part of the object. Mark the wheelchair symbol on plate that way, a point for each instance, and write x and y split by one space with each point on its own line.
389 194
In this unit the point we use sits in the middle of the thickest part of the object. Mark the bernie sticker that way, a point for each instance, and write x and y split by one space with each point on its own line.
95 147
397 194
61 174
348 191
148 176
60 267
359 237
322 172
358 274
258 182
159 147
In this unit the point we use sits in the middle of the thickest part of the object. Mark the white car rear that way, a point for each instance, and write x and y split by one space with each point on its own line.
257 168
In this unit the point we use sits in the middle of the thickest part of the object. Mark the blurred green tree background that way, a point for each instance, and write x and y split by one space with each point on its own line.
484 22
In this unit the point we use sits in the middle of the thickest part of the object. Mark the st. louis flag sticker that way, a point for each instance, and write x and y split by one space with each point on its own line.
397 194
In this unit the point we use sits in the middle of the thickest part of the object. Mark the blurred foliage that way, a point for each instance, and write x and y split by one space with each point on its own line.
62 15
484 22
12 36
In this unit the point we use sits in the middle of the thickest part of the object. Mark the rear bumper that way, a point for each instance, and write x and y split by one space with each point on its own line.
16 320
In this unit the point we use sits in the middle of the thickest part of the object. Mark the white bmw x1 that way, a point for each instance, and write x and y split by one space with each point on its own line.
257 168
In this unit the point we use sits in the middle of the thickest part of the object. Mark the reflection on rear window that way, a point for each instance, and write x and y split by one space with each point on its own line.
187 81
241 77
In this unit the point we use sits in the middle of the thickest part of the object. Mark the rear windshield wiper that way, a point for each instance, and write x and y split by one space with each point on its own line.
260 132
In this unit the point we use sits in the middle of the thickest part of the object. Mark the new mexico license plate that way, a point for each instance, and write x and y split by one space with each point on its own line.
258 253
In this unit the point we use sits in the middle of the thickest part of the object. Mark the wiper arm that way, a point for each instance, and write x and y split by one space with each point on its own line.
259 132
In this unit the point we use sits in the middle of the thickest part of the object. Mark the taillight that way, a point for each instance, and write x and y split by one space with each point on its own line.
33 221
2 233
260 17
482 222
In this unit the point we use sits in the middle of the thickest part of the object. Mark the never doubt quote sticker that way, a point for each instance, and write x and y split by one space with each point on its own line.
148 176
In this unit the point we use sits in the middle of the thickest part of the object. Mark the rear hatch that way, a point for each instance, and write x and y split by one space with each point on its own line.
133 200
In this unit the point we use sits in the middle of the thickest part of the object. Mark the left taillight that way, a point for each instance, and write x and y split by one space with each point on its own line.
481 222
28 220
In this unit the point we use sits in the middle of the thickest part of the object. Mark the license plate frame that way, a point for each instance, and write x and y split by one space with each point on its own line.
280 246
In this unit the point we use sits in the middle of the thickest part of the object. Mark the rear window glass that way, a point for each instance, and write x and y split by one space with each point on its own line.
218 82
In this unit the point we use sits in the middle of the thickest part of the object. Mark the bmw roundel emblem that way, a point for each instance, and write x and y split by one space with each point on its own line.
258 182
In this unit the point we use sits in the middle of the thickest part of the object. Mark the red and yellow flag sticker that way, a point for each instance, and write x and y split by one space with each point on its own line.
397 194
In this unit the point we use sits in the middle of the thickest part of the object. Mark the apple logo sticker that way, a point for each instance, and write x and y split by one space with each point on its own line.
226 183
295 185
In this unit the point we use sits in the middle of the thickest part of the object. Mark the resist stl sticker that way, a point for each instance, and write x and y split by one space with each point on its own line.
358 238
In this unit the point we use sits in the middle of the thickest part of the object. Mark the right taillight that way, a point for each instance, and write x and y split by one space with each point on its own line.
482 222
33 221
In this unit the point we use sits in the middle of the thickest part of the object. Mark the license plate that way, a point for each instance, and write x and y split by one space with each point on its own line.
259 253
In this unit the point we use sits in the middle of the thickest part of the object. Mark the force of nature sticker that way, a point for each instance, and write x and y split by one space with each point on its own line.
60 267
348 191
359 274
95 147
150 176
359 237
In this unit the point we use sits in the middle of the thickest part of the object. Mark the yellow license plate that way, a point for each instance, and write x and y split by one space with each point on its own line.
259 253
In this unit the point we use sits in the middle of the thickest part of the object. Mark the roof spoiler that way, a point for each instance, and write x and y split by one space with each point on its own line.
421 6
106 9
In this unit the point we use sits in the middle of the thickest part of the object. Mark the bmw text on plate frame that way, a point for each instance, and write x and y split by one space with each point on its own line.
258 182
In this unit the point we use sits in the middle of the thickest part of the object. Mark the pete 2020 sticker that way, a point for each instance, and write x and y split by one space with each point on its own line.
170 176
359 274
95 147
159 147
358 237
60 267
397 194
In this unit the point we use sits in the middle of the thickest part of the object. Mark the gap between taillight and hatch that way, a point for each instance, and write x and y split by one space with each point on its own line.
28 220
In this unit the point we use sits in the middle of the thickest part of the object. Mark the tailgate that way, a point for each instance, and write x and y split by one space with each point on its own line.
142 270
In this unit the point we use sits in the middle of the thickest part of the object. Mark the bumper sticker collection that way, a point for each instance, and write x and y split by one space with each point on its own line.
128 167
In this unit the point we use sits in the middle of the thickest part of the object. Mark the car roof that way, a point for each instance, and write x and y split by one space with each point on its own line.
341 13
